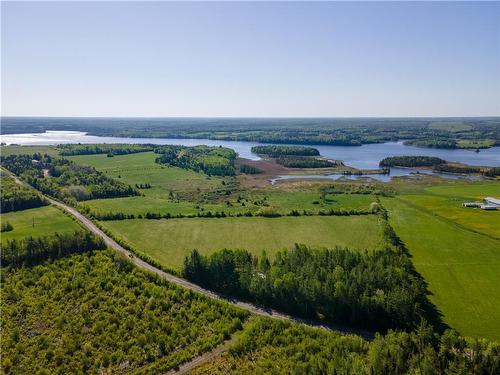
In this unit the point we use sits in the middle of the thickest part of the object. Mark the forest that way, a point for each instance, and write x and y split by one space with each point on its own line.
378 290
433 143
267 345
29 251
276 151
304 162
411 161
96 313
109 149
249 169
63 179
15 197
217 161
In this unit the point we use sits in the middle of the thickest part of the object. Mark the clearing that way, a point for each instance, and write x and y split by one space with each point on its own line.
37 222
169 241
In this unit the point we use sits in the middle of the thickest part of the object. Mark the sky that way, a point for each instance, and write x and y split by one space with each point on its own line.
300 59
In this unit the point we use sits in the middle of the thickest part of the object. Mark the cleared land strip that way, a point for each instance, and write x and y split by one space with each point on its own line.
206 357
271 313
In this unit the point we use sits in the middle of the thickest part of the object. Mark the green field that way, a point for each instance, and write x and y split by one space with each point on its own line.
169 241
36 222
462 267
469 143
446 202
141 168
278 200
18 150
468 191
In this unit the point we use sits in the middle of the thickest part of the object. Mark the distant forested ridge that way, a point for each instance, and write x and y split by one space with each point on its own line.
411 161
275 151
304 162
109 149
62 178
378 290
95 313
15 197
428 132
218 161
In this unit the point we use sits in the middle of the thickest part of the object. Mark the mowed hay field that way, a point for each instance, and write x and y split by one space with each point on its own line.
169 241
37 222
446 202
461 266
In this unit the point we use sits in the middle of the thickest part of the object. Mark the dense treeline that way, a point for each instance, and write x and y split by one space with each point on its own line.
271 346
468 169
217 161
95 313
62 178
433 143
411 161
304 162
32 250
249 169
378 290
15 197
438 165
263 212
275 151
110 149
455 168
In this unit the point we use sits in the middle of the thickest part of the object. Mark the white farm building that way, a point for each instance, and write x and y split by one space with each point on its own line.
492 201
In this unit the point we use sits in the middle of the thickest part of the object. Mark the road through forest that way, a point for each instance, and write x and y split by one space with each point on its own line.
267 312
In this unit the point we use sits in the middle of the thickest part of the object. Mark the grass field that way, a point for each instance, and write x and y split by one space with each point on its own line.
462 267
169 241
141 168
446 202
36 222
280 201
469 143
18 150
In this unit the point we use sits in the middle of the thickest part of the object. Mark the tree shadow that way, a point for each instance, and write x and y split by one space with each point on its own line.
432 314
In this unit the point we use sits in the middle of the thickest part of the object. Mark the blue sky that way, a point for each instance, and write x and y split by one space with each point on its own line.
250 59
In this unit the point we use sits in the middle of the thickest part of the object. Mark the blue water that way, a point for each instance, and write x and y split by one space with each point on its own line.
362 157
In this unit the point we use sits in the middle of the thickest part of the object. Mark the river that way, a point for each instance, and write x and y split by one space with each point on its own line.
362 157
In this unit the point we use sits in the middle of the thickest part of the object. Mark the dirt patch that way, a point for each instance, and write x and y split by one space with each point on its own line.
268 166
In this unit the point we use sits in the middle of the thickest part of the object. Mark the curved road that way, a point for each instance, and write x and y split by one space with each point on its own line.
186 284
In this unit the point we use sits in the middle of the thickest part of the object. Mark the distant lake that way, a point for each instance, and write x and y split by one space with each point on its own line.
362 157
